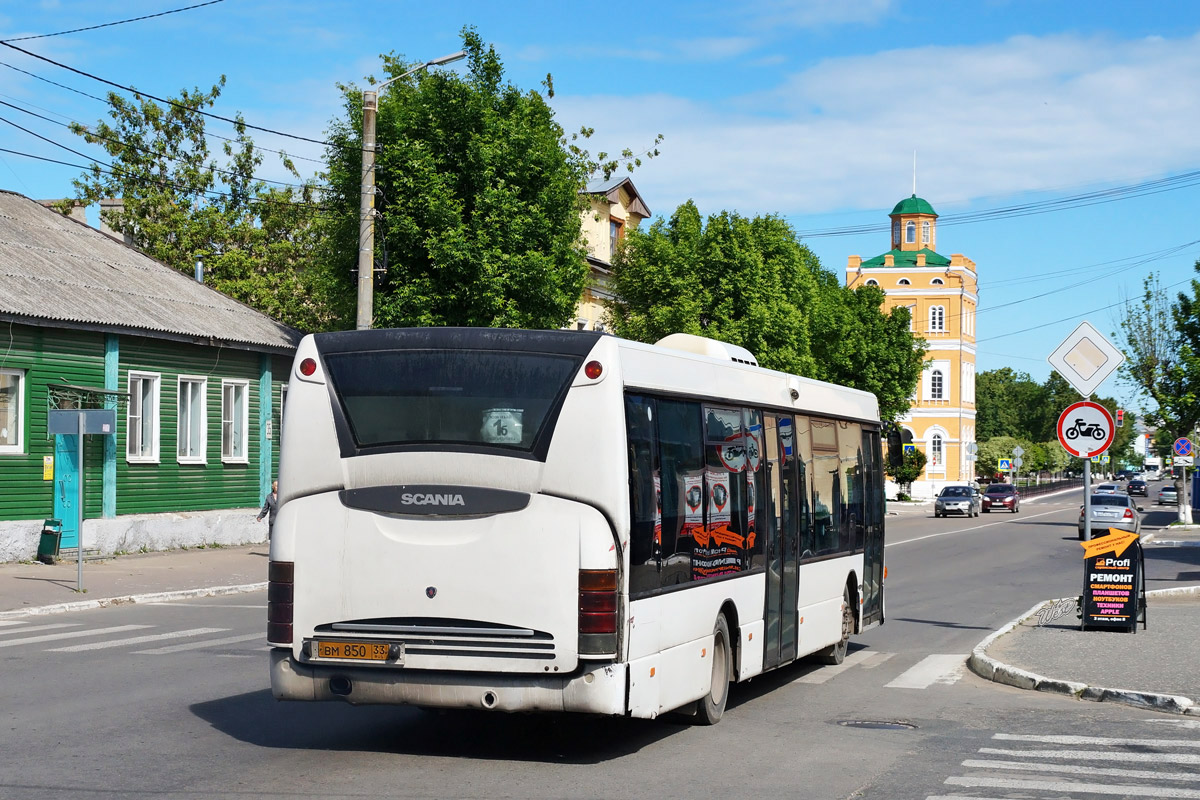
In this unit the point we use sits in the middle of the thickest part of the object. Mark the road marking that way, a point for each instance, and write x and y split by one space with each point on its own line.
50 637
79 648
1096 740
1096 755
1076 788
49 627
206 605
4 623
1075 769
179 648
832 671
968 530
945 669
876 659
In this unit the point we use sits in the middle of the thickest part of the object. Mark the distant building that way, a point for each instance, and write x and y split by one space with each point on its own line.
614 207
941 294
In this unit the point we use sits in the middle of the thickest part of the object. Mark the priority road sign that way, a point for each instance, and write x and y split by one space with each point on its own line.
1182 446
1086 358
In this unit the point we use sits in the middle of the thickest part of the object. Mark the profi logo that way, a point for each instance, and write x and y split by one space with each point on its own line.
431 592
413 499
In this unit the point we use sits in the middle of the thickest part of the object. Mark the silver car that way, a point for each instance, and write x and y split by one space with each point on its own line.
1167 495
1112 511
964 500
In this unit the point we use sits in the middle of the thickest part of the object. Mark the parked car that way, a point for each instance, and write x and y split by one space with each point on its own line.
1168 496
1137 486
958 500
1107 488
1112 511
1001 496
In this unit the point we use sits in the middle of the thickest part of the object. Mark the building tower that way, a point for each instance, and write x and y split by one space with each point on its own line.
941 295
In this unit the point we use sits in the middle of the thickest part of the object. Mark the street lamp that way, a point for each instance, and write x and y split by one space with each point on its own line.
366 205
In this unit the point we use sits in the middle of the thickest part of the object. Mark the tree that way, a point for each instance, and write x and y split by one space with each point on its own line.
478 205
750 282
257 242
1161 342
908 470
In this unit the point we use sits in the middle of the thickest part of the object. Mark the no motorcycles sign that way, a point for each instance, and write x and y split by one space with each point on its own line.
1086 429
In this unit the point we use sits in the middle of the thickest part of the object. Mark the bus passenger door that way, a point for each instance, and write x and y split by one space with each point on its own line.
782 540
872 579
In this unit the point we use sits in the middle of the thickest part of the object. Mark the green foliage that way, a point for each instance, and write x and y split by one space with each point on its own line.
907 470
477 199
750 282
256 242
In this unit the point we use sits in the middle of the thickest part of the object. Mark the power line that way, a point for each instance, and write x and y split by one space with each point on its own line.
119 142
111 24
105 101
174 103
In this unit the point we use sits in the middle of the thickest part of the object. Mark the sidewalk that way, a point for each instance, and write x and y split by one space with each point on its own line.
40 589
1153 668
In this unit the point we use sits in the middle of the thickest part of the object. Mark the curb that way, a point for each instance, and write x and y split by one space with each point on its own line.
990 669
154 597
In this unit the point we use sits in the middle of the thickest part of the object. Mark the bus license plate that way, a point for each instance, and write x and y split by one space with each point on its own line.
359 651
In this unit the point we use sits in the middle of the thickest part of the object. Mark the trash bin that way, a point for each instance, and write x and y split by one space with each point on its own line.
51 538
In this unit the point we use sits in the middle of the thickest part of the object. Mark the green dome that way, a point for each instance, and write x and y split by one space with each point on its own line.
913 205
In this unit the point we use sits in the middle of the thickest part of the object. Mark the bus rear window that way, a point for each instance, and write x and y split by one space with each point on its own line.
489 398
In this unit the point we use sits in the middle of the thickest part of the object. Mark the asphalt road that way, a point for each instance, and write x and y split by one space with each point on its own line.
186 714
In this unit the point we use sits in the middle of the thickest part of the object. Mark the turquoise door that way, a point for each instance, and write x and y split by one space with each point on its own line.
66 488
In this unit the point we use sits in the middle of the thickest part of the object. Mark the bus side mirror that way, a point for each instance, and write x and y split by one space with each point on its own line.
895 443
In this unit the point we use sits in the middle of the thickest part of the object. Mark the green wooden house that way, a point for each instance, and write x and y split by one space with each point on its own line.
197 382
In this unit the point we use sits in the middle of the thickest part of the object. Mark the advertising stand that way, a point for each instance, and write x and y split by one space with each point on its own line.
1114 583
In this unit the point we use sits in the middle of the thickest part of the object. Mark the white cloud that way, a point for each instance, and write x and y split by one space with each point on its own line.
1024 114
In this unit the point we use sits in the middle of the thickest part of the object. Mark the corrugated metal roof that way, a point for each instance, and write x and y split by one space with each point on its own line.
611 189
53 268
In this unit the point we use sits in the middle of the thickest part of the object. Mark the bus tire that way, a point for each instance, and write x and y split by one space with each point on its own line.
712 706
836 653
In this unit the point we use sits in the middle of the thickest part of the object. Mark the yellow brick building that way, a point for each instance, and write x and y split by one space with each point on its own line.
942 294
614 206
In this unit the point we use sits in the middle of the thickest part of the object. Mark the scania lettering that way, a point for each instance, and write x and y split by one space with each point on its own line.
564 521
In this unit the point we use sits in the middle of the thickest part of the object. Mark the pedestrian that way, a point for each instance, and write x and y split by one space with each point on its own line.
270 507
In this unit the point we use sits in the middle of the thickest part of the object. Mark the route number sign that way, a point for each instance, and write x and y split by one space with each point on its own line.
1086 429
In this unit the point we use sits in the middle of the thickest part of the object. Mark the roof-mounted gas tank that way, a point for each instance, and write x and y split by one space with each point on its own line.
703 346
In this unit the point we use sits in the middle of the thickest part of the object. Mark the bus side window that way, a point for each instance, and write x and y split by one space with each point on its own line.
681 463
849 442
720 546
826 486
804 452
643 502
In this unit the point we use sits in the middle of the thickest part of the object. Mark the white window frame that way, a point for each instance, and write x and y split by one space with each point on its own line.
228 419
937 282
925 226
904 282
937 385
912 316
872 282
910 232
19 447
937 453
937 319
895 233
133 423
179 420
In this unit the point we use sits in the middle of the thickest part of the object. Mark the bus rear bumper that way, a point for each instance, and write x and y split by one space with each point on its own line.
597 691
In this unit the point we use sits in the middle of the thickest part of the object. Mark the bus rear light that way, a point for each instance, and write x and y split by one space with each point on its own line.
598 605
307 367
593 369
280 594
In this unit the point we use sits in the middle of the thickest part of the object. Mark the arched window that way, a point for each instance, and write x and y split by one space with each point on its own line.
937 385
872 282
910 232
937 319
895 232
935 450
904 282
937 282
925 232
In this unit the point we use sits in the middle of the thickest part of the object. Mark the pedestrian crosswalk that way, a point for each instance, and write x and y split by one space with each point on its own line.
934 670
1050 767
49 637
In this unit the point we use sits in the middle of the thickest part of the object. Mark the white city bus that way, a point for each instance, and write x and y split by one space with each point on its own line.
564 520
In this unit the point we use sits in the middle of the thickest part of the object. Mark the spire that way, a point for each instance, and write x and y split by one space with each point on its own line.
914 194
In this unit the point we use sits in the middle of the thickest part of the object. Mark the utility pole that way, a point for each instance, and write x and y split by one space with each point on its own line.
366 203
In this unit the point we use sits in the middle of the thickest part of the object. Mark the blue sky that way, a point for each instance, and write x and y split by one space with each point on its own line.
809 109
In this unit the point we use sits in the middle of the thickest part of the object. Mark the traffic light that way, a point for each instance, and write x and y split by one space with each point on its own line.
1120 417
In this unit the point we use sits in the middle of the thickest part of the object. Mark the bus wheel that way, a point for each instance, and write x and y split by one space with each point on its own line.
713 706
836 653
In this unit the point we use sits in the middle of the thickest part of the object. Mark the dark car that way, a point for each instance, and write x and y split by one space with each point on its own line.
1002 497
1137 486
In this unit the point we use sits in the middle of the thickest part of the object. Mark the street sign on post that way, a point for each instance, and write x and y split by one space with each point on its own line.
1086 358
1182 446
1085 429
1004 464
1185 461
